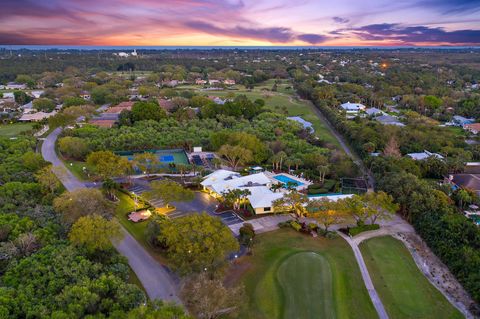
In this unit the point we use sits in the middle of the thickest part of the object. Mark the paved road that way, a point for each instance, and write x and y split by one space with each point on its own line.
156 279
377 303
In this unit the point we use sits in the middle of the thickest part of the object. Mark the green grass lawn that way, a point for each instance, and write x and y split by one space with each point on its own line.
292 275
404 290
280 101
13 130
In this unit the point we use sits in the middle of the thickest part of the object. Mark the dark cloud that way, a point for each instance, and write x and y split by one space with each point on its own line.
340 20
275 34
37 9
282 35
416 34
312 38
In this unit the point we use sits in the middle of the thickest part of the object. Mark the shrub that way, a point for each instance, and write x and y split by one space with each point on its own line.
295 225
312 226
359 229
285 224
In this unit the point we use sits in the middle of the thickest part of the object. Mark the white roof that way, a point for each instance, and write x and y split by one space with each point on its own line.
36 116
262 196
424 155
235 182
373 111
298 119
218 176
7 95
352 106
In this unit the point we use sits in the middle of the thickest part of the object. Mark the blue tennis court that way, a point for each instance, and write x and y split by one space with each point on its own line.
166 158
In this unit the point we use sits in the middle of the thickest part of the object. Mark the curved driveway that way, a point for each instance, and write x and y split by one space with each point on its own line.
154 277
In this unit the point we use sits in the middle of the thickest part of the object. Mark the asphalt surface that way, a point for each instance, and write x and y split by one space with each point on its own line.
155 278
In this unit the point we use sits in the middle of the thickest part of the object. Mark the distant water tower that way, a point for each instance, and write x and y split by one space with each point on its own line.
134 53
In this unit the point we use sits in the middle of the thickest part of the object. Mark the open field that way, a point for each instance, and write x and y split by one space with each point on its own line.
291 275
282 101
404 290
13 130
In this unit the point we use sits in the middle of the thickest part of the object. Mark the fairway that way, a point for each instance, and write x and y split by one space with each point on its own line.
282 101
292 275
404 290
13 130
306 280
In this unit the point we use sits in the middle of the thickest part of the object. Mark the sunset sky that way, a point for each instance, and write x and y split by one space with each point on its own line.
240 22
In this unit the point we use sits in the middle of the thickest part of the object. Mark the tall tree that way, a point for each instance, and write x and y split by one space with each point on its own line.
108 165
95 233
169 191
392 149
209 298
197 243
82 202
292 201
326 212
146 162
235 155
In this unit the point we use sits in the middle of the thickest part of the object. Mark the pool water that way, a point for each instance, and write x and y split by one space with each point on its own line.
475 218
285 180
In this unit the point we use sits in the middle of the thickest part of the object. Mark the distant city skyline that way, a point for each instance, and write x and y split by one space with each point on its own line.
241 22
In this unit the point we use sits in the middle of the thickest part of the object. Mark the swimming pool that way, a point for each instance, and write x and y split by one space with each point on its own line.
285 180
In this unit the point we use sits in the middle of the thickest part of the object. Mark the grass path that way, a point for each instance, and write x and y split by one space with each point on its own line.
292 275
404 290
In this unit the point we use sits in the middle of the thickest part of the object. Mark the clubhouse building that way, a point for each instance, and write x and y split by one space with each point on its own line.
261 196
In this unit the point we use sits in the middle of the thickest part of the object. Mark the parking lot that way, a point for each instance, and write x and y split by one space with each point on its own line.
201 203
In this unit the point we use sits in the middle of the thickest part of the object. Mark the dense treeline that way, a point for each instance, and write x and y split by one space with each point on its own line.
46 272
427 206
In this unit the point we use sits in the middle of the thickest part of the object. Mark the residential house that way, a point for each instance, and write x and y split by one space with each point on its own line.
466 181
27 108
424 155
85 95
103 123
473 128
37 94
472 168
461 121
229 82
306 124
167 105
213 82
353 108
373 111
35 117
117 109
200 82
15 86
389 120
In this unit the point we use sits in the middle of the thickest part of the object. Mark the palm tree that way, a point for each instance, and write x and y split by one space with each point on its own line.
244 194
297 162
289 162
276 187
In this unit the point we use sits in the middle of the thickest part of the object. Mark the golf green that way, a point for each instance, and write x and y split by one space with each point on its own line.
291 275
306 280
404 290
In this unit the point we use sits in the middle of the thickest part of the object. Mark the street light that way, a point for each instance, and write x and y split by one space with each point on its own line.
135 200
